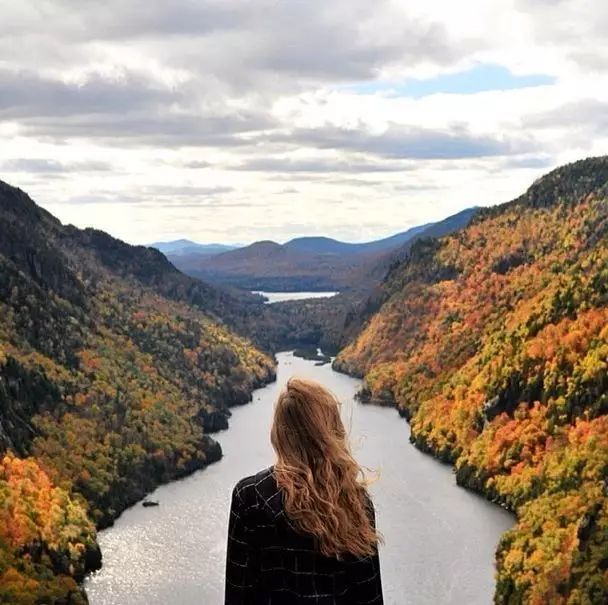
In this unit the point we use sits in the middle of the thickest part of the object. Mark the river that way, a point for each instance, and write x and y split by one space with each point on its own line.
439 539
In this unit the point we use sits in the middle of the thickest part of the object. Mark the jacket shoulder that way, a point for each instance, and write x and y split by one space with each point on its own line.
248 489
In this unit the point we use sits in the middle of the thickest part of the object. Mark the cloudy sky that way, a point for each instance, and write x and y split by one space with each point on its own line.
238 120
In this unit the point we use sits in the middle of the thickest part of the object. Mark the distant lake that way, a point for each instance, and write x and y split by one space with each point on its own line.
274 297
439 538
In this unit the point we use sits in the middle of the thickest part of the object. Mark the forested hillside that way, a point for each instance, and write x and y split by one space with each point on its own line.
113 367
493 341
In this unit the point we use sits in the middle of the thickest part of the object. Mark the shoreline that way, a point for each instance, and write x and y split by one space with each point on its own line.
215 449
189 526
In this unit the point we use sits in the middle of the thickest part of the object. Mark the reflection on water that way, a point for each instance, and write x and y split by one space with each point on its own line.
440 539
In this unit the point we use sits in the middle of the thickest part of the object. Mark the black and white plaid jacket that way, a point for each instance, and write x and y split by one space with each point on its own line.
270 563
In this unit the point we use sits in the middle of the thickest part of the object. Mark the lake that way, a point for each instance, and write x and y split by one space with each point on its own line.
274 297
440 539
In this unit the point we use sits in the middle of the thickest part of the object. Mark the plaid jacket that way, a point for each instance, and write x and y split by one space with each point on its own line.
269 563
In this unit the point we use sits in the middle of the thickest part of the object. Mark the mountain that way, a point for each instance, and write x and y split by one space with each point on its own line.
327 245
331 322
266 265
180 247
306 263
376 266
320 245
326 323
114 367
493 342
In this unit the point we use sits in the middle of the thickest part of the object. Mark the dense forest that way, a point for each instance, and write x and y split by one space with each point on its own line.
493 342
113 368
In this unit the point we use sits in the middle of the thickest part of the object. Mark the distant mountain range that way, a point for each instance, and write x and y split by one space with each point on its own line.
310 244
306 263
328 245
179 247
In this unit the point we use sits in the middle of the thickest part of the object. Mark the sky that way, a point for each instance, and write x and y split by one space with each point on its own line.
239 120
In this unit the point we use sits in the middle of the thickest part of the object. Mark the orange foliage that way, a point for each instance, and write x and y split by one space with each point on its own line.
503 369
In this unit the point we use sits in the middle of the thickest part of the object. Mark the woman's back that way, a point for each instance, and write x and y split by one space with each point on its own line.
271 562
303 530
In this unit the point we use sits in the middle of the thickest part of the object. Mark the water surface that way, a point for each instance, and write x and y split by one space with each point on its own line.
274 297
440 539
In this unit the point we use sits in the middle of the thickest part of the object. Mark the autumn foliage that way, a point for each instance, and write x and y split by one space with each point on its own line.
111 369
494 342
41 525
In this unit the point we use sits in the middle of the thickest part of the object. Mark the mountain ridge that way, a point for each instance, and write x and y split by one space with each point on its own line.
324 244
493 342
114 369
330 245
305 263
186 246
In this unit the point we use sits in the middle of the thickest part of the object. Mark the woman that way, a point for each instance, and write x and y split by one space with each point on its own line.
303 530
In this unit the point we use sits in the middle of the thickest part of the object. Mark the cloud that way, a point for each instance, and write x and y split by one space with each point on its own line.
408 142
147 196
238 41
317 165
188 116
45 166
192 73
576 27
588 115
196 164
101 198
25 94
533 161
184 191
130 107
153 129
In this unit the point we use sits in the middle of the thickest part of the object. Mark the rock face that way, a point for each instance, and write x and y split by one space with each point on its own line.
492 407
214 421
5 440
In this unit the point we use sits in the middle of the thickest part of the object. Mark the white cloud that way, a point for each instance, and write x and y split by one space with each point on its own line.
155 120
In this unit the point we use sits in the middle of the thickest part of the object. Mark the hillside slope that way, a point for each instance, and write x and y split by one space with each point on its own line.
113 367
493 341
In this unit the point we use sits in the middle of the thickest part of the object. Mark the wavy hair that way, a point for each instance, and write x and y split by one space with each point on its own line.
324 489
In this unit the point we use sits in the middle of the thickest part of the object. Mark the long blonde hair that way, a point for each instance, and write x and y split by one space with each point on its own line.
324 489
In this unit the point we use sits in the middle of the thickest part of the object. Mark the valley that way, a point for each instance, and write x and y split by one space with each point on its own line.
440 539
487 332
